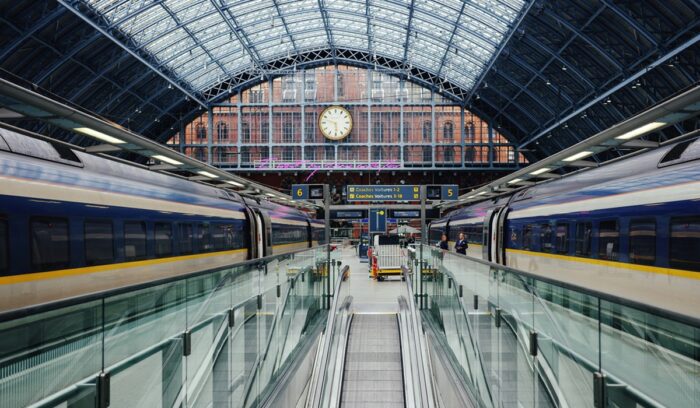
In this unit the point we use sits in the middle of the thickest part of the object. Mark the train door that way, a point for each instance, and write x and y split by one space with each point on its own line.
493 235
309 233
252 232
501 235
263 233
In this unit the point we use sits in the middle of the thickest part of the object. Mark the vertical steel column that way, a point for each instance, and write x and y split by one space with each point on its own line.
327 216
303 118
270 122
490 155
402 141
423 240
368 99
462 137
239 127
183 128
433 138
210 131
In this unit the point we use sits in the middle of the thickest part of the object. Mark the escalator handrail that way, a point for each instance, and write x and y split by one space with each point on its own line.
320 366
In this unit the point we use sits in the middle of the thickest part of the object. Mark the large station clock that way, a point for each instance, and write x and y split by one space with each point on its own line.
335 122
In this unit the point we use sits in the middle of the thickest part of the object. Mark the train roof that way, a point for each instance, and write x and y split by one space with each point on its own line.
662 167
666 166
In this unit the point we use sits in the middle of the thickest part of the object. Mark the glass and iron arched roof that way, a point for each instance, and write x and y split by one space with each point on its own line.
203 42
548 72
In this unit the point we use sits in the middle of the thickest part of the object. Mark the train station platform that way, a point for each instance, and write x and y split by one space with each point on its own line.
313 329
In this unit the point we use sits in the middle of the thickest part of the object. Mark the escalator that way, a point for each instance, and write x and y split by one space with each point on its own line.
373 372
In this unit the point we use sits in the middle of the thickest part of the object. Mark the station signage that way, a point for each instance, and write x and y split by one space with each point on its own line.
382 193
307 192
348 214
377 220
448 192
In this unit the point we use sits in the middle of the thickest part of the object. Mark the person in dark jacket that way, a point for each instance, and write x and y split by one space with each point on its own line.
443 242
461 245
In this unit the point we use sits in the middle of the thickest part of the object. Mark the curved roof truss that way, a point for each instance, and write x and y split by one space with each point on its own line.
204 43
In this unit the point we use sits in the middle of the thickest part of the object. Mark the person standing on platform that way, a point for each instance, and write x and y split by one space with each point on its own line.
461 245
443 242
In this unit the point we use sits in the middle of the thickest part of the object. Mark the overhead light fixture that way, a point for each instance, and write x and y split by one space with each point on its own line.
235 183
207 174
641 130
517 180
270 195
166 159
99 135
540 171
578 156
481 193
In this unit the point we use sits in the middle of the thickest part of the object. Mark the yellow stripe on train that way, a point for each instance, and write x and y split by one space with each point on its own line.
29 277
35 276
611 264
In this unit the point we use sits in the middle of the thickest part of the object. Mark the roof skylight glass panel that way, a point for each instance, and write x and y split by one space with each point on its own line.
195 32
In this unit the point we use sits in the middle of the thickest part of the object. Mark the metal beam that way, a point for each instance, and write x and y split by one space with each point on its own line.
25 35
614 89
677 109
238 32
68 4
632 22
409 27
449 42
286 27
523 13
327 27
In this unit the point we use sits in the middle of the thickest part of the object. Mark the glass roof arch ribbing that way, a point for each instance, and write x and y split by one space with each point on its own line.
205 42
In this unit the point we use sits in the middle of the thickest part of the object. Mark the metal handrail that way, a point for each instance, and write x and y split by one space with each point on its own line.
562 348
321 365
50 306
670 314
263 356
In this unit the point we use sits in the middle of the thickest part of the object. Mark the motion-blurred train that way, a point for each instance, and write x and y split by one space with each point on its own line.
72 223
630 228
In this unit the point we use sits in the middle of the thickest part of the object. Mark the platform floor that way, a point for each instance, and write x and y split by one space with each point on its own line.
370 296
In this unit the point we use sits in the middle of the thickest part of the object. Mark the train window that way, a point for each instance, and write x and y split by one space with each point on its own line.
546 238
562 243
584 231
527 237
608 240
218 236
4 244
202 236
50 243
99 242
134 240
164 239
643 241
685 241
185 239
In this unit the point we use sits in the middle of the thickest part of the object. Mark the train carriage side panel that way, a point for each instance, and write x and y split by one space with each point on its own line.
617 236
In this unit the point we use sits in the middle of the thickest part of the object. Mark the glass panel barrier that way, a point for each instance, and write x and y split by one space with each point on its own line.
546 343
192 341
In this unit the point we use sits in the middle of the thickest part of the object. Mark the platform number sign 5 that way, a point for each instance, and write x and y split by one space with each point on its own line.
448 192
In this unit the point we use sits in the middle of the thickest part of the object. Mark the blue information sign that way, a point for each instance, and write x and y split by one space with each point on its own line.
377 220
383 193
300 191
450 192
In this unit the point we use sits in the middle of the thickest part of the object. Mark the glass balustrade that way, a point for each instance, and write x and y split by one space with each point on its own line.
216 338
531 341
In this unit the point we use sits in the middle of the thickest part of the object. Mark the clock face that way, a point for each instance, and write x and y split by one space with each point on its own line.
335 123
